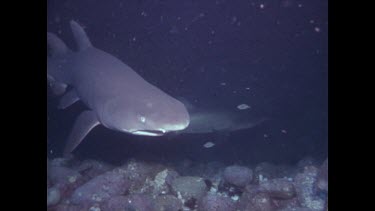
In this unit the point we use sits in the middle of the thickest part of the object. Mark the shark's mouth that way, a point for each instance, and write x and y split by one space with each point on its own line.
149 132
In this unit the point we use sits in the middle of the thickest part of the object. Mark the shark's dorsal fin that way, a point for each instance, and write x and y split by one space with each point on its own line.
83 42
57 46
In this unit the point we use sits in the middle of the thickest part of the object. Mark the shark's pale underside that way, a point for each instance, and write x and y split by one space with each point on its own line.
116 96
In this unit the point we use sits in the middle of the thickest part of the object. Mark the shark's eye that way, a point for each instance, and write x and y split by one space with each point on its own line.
142 118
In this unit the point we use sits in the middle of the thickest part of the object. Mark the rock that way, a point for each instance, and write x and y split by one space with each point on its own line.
278 188
117 203
255 200
228 189
92 168
171 175
189 187
65 162
307 161
261 202
295 209
167 203
65 179
304 185
212 169
160 184
63 175
239 176
53 196
258 202
139 202
284 204
131 202
138 172
265 171
102 187
214 202
66 207
322 180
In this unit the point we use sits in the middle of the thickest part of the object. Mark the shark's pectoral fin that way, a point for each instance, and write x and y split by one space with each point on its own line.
85 122
68 99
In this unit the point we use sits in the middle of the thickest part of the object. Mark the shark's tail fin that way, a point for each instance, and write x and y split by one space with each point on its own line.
83 42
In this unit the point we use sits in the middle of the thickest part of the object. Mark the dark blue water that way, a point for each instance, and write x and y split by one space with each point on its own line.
271 55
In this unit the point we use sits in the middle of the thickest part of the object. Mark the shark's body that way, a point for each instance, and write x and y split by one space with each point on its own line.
204 120
117 97
219 121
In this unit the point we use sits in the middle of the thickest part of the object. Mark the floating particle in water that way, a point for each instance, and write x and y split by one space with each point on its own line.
174 30
134 39
261 6
57 19
317 29
208 145
196 18
144 14
234 19
265 135
312 21
247 88
287 3
243 106
223 83
284 131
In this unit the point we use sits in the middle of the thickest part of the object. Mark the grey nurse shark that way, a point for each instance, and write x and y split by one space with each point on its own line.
116 96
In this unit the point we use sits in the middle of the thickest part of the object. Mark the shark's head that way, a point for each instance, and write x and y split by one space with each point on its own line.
147 117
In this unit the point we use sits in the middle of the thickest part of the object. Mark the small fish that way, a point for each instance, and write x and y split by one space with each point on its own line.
208 145
243 106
